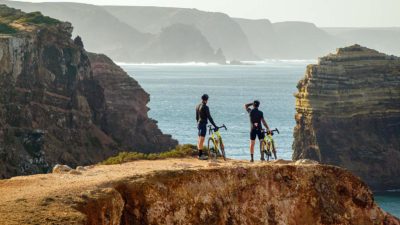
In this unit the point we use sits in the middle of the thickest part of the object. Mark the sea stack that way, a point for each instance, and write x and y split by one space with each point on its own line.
348 114
53 103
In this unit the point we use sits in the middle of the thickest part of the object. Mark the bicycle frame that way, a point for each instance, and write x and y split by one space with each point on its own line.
269 139
216 138
269 146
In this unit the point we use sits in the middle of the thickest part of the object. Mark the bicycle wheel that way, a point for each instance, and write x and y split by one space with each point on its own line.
274 149
211 148
262 148
268 145
222 149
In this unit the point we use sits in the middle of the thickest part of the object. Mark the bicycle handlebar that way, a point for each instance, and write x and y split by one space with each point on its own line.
272 131
216 128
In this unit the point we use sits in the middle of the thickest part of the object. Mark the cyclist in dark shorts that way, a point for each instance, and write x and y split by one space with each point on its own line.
202 118
256 121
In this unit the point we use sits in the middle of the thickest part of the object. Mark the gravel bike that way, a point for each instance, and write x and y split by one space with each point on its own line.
267 145
215 144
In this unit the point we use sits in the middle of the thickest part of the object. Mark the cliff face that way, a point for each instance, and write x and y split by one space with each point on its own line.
220 30
189 191
48 100
348 114
179 43
122 112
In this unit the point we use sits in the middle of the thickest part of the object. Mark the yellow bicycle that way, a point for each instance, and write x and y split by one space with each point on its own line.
215 144
267 145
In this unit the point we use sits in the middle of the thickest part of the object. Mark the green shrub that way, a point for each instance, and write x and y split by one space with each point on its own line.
6 29
37 18
181 151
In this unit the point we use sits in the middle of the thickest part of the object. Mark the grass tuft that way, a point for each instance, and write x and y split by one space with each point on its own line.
181 151
6 29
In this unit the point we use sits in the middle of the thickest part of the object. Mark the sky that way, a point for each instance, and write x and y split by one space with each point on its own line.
324 13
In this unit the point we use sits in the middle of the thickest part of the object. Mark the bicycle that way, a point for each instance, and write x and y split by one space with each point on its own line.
267 145
215 144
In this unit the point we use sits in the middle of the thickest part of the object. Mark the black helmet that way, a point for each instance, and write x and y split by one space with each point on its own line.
204 97
256 103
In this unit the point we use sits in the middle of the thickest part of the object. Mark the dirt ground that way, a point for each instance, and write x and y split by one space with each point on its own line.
50 198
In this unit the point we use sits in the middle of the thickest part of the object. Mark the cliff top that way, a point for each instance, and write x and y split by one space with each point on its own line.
355 52
14 20
170 191
55 195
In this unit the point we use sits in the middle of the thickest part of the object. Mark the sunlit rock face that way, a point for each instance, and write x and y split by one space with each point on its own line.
348 114
50 96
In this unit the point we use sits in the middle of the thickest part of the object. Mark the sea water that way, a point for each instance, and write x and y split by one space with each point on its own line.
175 90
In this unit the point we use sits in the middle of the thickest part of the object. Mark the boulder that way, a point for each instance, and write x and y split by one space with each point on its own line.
61 169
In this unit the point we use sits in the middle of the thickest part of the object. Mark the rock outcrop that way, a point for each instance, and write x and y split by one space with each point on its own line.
189 191
348 114
121 112
50 100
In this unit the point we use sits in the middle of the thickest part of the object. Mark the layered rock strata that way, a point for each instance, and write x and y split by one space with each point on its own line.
53 105
189 191
348 114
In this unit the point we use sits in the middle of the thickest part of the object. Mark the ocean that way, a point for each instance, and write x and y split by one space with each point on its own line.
175 90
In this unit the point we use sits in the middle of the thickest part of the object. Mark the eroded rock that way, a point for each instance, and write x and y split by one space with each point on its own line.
348 114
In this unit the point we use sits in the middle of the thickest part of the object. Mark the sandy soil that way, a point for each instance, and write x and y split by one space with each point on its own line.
47 198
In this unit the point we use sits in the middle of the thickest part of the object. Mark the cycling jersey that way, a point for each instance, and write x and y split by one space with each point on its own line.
255 118
203 114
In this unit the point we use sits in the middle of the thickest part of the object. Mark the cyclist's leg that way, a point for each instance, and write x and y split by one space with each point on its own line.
260 136
202 130
253 135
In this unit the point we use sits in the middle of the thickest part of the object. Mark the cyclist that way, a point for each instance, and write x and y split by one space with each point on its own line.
202 118
256 121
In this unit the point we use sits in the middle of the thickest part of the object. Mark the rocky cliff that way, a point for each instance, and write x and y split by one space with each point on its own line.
348 114
121 110
189 191
53 106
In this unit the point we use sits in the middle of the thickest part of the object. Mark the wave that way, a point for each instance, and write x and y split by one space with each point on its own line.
168 64
267 62
274 61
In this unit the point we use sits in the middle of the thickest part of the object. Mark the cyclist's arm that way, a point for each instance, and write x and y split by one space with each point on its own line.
247 106
265 123
209 117
197 113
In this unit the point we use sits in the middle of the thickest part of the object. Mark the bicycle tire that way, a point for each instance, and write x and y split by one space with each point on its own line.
222 149
210 140
262 147
274 149
268 151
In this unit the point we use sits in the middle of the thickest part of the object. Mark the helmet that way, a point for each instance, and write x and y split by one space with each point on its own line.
256 103
204 97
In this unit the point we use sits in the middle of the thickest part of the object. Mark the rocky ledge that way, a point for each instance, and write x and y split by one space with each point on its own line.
189 191
348 114
57 105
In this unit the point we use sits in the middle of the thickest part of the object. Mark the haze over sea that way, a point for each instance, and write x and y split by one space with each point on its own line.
175 90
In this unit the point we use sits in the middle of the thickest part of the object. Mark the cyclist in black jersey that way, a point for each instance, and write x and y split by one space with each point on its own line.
202 117
256 122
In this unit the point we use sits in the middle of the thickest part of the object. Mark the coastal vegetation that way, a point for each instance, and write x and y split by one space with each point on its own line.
181 151
10 17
